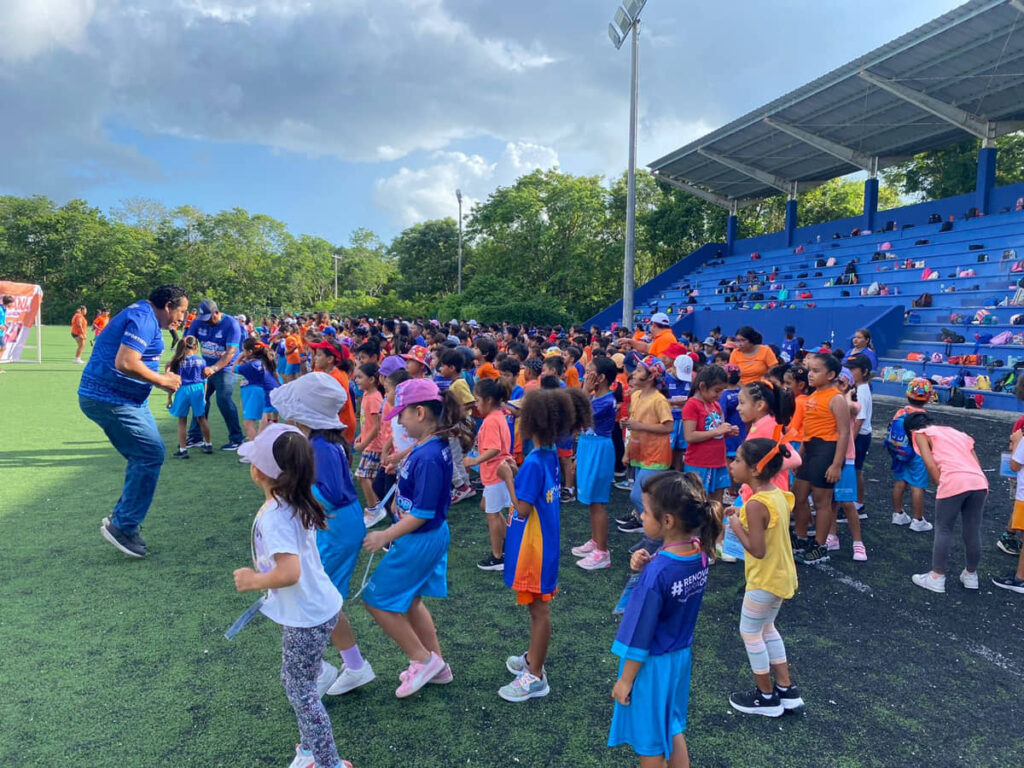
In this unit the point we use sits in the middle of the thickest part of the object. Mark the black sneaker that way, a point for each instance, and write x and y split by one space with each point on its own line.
568 494
790 699
619 474
181 453
232 446
633 525
1009 543
800 545
1010 582
625 518
133 546
755 703
814 554
193 442
492 563
207 447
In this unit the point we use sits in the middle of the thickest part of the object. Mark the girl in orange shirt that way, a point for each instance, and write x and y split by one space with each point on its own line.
796 382
826 434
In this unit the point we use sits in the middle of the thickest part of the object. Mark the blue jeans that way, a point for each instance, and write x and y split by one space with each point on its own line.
132 430
222 384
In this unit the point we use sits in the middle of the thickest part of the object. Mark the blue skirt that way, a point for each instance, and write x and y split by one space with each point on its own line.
415 566
713 478
657 709
340 543
254 402
189 397
595 468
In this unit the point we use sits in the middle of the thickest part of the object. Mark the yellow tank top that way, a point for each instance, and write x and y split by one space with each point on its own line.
776 571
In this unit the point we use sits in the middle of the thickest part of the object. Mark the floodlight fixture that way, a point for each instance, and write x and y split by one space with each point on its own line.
633 8
615 37
623 21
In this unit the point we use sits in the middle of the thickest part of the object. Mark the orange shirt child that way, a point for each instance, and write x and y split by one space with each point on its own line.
348 413
487 370
819 421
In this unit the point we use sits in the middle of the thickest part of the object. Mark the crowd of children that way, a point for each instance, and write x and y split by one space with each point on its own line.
720 464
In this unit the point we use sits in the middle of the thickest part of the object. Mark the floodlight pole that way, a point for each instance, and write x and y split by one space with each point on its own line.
336 258
458 195
630 257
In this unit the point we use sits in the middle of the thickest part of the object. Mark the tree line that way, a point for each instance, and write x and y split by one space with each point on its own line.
547 248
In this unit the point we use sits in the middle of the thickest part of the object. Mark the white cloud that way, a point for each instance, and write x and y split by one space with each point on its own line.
429 192
31 27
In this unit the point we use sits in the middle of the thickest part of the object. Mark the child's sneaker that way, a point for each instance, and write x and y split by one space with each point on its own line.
467 491
627 517
860 554
350 679
525 686
624 485
568 494
596 560
968 579
813 555
790 698
584 549
1009 543
1010 582
443 677
419 674
181 453
303 758
328 674
756 703
633 526
517 664
832 543
921 526
930 581
373 515
900 518
206 447
492 563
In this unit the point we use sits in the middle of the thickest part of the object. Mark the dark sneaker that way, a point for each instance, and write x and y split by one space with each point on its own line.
1010 582
756 703
193 442
207 447
624 519
232 446
800 545
632 526
1009 544
133 546
790 699
492 563
814 554
568 494
181 453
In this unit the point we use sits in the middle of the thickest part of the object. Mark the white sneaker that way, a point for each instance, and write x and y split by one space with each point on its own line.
900 518
930 581
969 580
303 759
584 549
80 361
328 674
350 679
373 515
921 526
596 560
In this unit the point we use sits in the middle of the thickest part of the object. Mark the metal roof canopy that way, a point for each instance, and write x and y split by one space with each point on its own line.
959 75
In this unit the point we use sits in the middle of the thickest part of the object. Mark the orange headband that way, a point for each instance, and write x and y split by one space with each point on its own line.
780 440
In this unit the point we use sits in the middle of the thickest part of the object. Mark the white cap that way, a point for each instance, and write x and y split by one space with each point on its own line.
260 452
313 400
684 367
661 319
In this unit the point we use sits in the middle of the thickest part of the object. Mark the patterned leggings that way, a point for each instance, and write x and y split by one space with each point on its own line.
302 650
757 628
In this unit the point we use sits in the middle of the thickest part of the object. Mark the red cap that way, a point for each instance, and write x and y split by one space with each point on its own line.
338 352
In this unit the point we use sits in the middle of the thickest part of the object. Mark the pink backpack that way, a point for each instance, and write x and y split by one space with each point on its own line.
1001 338
886 246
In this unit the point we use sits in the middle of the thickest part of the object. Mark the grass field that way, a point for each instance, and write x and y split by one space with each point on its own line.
113 662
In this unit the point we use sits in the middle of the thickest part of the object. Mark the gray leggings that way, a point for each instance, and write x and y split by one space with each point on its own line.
302 650
968 505
460 475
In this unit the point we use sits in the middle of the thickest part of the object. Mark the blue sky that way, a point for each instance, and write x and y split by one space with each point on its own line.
337 114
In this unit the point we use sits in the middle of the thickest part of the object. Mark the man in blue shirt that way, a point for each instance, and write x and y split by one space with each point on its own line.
114 392
219 338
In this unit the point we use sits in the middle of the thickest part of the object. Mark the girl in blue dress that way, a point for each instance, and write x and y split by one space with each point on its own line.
654 639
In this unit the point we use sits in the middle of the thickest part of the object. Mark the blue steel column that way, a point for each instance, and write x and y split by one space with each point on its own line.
791 221
731 227
870 203
986 178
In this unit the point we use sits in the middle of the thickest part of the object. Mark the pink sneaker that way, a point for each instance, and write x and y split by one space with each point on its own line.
859 553
595 561
584 549
443 677
418 674
831 543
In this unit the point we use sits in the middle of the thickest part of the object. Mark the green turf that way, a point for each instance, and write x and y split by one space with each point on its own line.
108 661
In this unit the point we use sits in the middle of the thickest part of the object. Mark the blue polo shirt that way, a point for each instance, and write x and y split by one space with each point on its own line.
214 340
424 483
137 328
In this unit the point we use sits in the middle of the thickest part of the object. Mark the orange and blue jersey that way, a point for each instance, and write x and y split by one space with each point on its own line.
532 544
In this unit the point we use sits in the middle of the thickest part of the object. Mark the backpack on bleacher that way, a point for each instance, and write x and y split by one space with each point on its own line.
1001 338
956 398
907 376
924 300
898 442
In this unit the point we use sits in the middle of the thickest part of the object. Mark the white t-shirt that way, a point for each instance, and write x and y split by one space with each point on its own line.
313 599
1018 456
864 398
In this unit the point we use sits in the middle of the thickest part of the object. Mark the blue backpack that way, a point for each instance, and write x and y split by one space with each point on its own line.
898 442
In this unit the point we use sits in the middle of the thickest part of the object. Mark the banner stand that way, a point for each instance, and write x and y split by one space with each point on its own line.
25 313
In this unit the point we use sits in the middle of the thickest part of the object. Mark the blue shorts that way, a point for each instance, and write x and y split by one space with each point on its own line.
415 566
678 438
254 402
595 468
189 397
714 478
846 488
291 369
640 475
912 472
340 543
657 709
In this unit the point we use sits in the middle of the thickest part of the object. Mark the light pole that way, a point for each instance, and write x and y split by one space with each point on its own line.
627 22
458 196
337 257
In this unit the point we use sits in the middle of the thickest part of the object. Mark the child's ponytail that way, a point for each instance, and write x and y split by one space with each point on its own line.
780 400
261 352
683 496
186 345
294 486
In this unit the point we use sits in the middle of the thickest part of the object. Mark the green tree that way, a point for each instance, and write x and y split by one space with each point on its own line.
426 256
951 171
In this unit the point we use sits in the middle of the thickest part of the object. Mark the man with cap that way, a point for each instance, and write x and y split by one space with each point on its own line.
661 337
219 337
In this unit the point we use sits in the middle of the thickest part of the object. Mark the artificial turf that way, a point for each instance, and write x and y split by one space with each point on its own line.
108 661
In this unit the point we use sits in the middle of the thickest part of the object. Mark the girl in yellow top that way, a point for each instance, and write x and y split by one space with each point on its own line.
826 434
762 526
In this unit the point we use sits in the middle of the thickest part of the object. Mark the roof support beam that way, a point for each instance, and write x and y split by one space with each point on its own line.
1018 4
862 160
728 203
976 125
781 184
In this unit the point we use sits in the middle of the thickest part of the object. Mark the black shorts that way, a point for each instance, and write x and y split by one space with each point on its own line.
818 456
861 444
